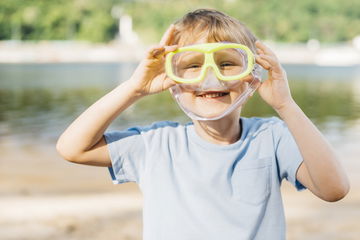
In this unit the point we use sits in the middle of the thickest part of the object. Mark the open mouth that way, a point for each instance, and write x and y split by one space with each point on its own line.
212 94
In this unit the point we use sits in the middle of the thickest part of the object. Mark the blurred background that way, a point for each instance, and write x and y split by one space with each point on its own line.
57 57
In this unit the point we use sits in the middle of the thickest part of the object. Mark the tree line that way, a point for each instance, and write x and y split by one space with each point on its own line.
97 20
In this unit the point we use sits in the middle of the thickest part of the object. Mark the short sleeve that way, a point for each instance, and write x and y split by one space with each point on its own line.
127 152
288 155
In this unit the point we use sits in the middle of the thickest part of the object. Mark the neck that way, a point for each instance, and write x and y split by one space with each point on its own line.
224 131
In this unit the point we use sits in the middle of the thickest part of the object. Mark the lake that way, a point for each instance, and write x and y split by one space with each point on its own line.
38 101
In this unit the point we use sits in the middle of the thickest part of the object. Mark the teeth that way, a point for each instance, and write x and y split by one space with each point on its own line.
213 95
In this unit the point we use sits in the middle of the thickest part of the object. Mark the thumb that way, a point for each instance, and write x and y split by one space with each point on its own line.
168 83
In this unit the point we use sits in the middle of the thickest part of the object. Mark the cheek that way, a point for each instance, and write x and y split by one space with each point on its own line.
238 89
241 86
187 98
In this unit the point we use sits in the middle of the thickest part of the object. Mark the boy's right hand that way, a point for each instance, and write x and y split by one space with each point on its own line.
150 77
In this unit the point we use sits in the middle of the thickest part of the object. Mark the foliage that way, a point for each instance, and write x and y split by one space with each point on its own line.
93 20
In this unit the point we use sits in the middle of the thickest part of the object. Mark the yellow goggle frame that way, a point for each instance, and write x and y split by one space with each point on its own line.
208 49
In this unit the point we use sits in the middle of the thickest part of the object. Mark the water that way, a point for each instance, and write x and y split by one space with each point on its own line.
38 101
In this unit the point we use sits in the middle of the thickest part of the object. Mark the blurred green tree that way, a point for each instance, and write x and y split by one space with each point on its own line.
278 20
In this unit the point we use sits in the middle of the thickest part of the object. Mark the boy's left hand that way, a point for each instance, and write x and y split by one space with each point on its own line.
275 90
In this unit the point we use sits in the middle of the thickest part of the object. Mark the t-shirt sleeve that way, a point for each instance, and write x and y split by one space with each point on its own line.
288 155
127 154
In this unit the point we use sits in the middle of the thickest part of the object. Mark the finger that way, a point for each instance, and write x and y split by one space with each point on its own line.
155 52
262 62
160 51
259 51
274 63
167 37
170 49
168 83
264 48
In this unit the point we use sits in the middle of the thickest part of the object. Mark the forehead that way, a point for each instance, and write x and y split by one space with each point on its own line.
197 36
199 41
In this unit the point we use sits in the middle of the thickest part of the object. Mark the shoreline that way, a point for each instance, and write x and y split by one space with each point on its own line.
17 52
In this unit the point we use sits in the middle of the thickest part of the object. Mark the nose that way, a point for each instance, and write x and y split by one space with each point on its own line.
211 82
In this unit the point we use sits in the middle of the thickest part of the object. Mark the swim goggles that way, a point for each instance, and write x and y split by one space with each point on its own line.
229 61
212 67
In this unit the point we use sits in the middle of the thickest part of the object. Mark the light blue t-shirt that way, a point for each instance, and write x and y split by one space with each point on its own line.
197 190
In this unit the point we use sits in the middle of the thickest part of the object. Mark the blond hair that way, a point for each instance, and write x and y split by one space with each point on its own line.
212 25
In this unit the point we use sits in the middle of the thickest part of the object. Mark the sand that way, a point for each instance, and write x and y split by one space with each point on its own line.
45 197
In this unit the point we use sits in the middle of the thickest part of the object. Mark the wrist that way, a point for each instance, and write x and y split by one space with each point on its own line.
133 89
287 108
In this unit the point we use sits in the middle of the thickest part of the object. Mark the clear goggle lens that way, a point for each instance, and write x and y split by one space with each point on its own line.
190 64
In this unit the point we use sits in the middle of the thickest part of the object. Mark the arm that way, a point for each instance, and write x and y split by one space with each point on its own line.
321 171
83 141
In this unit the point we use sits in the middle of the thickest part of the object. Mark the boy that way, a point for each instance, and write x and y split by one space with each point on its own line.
219 176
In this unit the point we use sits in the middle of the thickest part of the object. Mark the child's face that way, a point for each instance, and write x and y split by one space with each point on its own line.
214 100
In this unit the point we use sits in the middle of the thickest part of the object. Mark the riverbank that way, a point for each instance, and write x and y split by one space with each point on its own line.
345 54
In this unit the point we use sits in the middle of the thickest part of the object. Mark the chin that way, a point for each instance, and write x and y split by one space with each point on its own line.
209 111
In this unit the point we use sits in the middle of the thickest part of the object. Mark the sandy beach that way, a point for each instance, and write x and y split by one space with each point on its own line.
45 197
